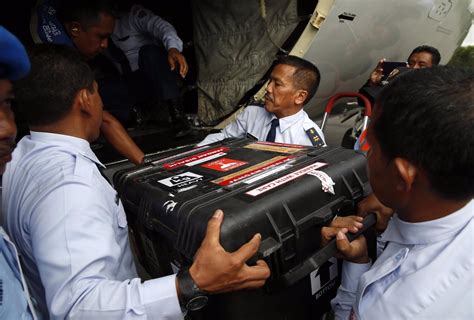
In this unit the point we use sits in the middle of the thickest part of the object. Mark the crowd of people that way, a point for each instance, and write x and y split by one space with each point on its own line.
54 196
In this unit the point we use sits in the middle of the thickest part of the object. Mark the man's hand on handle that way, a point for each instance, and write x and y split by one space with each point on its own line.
351 223
215 270
356 251
372 204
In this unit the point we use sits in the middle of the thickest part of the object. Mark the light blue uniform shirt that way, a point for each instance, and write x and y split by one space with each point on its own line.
256 121
141 27
14 297
425 272
72 232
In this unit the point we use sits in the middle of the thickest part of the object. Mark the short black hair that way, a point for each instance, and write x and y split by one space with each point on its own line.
57 74
435 55
86 12
427 117
306 76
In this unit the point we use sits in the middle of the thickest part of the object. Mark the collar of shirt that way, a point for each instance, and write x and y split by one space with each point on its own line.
403 232
73 144
286 122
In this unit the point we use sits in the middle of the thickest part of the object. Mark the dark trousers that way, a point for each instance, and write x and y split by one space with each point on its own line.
155 70
153 81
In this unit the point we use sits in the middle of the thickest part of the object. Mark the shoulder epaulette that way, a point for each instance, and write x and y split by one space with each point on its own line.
314 137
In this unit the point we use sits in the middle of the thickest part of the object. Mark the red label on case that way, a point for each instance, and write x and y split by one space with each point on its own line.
199 158
224 164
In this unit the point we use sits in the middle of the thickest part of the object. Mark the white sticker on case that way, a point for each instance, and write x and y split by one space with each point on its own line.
326 181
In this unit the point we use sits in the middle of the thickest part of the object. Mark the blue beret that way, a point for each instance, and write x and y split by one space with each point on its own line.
14 62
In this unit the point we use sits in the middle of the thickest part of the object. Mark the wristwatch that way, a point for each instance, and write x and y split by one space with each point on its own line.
191 297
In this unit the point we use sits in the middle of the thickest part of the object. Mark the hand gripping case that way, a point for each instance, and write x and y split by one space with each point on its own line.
284 192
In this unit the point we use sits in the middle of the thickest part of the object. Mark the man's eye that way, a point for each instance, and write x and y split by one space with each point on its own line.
7 103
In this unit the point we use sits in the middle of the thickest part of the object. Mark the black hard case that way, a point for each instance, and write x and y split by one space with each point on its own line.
169 222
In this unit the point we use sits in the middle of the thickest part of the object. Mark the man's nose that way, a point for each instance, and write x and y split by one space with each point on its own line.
269 88
104 43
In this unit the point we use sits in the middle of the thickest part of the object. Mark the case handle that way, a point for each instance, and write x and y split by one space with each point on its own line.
320 257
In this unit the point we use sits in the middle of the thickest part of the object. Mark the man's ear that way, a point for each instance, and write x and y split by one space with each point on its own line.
301 96
83 101
73 28
407 173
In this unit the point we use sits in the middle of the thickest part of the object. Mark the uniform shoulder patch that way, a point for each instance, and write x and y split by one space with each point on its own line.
315 138
83 168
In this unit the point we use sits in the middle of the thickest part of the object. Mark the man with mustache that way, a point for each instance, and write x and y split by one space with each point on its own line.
14 64
293 82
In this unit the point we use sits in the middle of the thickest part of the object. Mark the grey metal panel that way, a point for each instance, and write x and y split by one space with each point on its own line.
347 51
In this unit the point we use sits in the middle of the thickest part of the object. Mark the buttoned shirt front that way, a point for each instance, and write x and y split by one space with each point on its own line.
256 121
72 232
425 272
141 27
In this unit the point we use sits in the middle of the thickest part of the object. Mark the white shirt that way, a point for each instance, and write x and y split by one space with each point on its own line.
71 231
425 272
140 27
256 121
15 302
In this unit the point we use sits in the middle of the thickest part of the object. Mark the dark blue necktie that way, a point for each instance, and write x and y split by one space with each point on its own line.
272 132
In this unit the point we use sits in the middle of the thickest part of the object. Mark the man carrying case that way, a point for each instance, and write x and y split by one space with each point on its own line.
284 192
